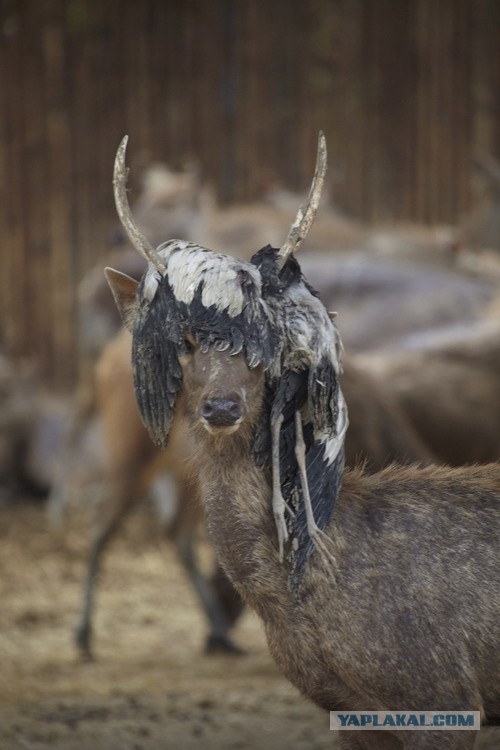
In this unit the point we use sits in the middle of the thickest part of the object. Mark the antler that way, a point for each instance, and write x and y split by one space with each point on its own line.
141 244
306 214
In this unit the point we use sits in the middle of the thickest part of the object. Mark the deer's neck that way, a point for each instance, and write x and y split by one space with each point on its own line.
237 498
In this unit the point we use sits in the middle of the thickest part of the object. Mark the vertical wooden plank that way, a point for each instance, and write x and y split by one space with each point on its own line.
59 147
35 198
419 202
462 106
14 278
350 109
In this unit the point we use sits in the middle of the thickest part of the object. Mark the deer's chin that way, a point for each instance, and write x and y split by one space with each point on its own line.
223 430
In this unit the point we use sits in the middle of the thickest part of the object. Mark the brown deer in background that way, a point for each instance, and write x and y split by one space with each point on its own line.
447 383
376 591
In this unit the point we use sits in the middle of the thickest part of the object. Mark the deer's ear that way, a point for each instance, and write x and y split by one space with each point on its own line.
124 290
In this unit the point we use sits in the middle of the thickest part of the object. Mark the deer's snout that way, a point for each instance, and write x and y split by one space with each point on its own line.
222 412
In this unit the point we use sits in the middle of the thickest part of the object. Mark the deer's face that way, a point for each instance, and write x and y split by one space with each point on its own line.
220 392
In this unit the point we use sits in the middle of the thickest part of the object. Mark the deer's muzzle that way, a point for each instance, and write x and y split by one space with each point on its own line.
221 412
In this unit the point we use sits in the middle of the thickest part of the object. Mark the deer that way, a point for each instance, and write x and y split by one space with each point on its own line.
109 455
446 382
131 463
479 228
376 591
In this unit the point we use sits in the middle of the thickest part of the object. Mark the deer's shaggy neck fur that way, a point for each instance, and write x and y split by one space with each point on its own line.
374 630
244 506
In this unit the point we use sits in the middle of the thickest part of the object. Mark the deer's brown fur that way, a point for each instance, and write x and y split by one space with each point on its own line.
407 617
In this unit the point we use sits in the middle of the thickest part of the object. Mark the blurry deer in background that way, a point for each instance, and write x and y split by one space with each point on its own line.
480 228
447 384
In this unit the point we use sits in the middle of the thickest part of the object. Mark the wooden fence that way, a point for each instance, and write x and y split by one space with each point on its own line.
405 90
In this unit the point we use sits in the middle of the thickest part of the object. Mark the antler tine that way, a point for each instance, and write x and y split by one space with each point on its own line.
141 244
306 214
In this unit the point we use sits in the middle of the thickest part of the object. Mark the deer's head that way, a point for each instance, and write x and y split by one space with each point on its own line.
204 319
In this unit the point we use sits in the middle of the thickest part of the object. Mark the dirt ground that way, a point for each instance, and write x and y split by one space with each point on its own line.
150 687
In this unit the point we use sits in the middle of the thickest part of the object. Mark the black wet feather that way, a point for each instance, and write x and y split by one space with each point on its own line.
317 386
158 342
323 395
324 482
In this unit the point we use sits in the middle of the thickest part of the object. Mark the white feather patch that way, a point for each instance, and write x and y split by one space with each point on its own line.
189 266
334 444
151 280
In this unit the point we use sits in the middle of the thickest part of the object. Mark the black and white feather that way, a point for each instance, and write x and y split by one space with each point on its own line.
306 379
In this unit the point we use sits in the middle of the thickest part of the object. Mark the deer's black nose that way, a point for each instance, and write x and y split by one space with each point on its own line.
221 412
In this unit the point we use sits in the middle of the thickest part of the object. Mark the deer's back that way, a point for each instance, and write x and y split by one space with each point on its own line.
410 612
